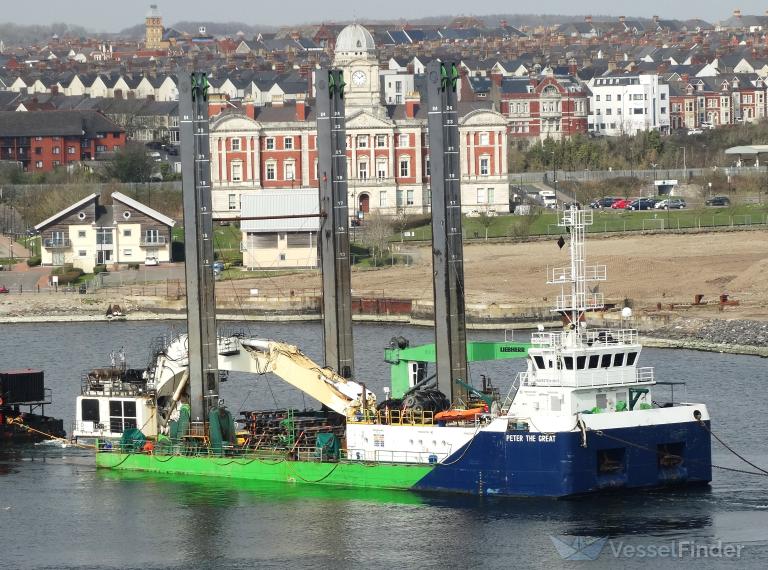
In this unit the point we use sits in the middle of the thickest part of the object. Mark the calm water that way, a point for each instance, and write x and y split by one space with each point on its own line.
57 511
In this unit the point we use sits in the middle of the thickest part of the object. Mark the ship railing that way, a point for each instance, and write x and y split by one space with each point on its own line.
91 428
562 275
92 386
395 417
617 376
395 456
579 302
590 337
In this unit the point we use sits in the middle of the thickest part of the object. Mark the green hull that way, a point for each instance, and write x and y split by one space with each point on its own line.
348 474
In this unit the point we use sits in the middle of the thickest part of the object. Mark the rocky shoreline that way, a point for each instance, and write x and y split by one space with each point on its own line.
735 336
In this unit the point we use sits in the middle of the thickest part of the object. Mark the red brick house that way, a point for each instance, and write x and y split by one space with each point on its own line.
42 141
549 106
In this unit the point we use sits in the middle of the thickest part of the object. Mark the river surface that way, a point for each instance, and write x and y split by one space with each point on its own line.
58 511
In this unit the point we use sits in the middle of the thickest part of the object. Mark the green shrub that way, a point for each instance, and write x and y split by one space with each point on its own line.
101 268
34 261
67 276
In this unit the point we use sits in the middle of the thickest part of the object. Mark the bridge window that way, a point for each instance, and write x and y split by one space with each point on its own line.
619 359
568 360
606 361
539 362
581 362
594 360
122 415
631 357
90 410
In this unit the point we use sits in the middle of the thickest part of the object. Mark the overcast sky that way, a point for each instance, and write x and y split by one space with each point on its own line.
112 15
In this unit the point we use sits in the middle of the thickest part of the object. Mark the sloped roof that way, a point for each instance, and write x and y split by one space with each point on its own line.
55 123
281 203
120 197
65 212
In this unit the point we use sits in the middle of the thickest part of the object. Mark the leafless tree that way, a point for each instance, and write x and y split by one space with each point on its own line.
376 233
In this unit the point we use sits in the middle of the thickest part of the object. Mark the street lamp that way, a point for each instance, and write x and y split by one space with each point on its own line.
654 165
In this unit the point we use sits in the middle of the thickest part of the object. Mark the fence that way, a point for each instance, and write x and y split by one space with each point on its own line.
681 174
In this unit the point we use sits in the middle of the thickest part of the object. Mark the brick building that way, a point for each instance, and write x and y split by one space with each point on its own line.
547 106
44 140
274 147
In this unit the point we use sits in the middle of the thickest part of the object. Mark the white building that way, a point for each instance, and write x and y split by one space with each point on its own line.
628 104
395 86
280 243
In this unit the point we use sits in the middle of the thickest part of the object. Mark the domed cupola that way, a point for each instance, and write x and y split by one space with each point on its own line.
354 41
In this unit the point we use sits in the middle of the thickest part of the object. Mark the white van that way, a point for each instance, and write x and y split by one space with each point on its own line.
549 198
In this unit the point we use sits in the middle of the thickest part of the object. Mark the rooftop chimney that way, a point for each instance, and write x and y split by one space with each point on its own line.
412 101
622 19
301 110
588 19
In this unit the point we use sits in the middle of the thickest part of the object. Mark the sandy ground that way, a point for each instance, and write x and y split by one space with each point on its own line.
647 269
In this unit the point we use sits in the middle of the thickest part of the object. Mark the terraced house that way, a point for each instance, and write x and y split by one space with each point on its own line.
43 141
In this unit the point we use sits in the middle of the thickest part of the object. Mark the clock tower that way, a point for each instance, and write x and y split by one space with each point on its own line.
356 56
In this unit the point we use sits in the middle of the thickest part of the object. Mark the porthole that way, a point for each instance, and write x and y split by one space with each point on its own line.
127 215
81 215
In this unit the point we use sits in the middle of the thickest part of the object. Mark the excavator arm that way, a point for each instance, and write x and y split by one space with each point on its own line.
259 356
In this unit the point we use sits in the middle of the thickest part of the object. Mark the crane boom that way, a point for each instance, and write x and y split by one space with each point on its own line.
262 356
297 369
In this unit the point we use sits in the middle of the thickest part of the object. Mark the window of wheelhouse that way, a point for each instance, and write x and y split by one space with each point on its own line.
122 415
631 358
581 362
594 360
568 361
89 408
605 361
618 360
539 362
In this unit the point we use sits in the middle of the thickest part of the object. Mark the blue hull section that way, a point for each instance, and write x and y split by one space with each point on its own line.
519 463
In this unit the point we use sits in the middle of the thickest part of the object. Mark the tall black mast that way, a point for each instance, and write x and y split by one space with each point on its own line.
198 243
334 227
447 248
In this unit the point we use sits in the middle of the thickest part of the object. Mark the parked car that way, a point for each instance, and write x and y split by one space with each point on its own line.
4 289
218 266
642 204
695 131
151 260
620 204
671 204
718 201
605 202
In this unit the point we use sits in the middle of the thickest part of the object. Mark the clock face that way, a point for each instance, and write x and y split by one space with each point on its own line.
358 78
